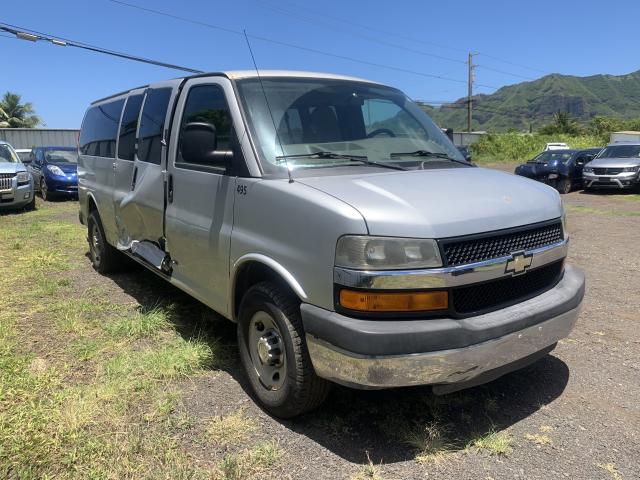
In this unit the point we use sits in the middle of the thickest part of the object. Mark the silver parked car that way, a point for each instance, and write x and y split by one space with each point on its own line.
616 166
16 183
336 224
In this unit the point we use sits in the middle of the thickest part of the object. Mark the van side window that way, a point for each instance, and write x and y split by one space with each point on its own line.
154 113
128 127
207 103
100 128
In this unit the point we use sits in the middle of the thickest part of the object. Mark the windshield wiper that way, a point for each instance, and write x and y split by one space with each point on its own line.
427 153
331 155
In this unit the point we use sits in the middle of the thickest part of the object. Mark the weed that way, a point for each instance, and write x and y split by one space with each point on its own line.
611 469
141 323
538 439
496 443
247 464
231 429
368 471
429 442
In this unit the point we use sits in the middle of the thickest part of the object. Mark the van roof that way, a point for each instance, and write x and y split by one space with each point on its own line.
241 74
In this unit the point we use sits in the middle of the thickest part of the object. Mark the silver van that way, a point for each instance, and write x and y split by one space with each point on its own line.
333 221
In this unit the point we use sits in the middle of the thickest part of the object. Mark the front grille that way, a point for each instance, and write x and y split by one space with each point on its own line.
486 247
6 180
607 171
494 294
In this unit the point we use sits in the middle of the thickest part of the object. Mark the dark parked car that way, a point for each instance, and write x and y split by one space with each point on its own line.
55 171
561 169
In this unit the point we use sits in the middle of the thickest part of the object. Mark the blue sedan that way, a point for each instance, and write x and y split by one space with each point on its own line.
55 171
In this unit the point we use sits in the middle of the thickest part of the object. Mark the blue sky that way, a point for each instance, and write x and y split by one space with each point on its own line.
569 37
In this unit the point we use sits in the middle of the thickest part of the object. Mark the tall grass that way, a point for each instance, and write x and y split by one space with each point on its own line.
516 147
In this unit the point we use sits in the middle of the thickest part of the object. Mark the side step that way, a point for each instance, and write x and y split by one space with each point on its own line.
152 254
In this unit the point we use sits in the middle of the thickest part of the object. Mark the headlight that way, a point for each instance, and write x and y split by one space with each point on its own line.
587 170
565 230
386 253
630 169
55 170
23 178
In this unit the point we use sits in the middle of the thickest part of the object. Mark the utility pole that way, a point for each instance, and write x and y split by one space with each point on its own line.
470 93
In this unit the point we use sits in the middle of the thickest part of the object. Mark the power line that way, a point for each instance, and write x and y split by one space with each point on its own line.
283 11
508 62
33 35
291 45
313 21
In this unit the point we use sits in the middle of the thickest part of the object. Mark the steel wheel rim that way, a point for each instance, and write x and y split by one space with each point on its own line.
267 352
96 243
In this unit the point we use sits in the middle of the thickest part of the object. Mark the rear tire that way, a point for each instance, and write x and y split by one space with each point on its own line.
564 185
104 258
274 352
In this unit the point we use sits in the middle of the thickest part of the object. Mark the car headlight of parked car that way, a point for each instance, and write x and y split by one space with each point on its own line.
631 169
386 253
55 170
23 178
587 170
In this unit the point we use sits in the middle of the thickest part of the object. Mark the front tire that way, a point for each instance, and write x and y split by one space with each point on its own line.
274 352
564 185
44 190
32 204
104 258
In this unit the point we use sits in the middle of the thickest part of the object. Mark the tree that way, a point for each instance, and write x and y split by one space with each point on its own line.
14 114
562 123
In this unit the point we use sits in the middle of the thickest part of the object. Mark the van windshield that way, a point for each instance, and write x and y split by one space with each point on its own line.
343 117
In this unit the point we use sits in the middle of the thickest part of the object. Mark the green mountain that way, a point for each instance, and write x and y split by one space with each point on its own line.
532 104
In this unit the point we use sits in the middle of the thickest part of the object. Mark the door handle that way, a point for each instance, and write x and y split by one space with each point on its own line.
170 189
135 177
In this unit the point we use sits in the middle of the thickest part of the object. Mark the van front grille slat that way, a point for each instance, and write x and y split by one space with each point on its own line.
495 244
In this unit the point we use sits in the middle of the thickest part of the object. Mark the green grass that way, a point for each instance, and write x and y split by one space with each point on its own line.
493 442
230 429
249 463
90 386
601 212
516 147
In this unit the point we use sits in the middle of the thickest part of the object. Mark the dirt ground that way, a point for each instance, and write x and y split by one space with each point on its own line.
574 414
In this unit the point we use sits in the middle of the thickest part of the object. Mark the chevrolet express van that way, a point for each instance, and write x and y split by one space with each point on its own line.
333 221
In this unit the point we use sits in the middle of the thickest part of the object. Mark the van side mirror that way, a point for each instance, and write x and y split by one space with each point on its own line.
199 145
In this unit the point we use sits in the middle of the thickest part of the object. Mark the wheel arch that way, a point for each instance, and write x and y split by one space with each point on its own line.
254 268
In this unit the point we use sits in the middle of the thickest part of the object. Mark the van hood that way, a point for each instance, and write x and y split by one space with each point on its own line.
442 203
615 162
6 167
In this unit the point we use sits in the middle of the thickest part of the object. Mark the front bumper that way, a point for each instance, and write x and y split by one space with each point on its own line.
16 197
396 353
621 180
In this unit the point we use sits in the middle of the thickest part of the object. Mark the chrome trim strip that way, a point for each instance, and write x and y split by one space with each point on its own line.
441 367
444 277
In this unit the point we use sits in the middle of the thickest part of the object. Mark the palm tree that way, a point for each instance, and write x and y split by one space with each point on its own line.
14 114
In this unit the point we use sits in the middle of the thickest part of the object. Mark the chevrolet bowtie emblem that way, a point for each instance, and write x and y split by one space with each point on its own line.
518 263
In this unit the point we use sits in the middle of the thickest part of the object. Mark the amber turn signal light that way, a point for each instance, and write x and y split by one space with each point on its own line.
394 302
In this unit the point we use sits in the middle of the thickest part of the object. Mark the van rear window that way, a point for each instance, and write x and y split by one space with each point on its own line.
154 113
127 141
100 128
